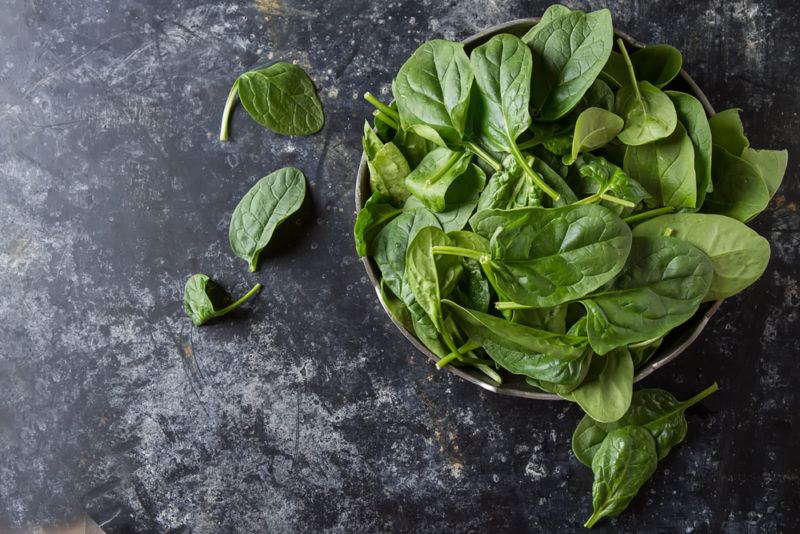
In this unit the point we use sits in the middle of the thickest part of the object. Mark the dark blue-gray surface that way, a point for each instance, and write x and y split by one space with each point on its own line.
306 410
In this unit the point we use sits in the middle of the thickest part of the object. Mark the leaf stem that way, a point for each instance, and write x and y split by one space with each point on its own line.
372 99
631 72
484 155
592 520
226 113
488 371
648 214
530 143
446 250
509 305
386 119
531 173
700 396
239 302
615 200
456 354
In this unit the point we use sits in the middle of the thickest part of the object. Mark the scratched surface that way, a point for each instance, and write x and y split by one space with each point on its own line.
306 411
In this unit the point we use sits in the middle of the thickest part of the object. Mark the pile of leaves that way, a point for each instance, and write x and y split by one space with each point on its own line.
549 207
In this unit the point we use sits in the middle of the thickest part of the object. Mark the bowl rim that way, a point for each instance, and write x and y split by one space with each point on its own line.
678 346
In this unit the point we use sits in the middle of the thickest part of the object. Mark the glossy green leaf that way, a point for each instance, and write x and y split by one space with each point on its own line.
270 202
594 129
201 297
739 190
692 115
369 221
657 64
445 177
615 71
387 173
727 131
649 114
771 164
453 218
608 397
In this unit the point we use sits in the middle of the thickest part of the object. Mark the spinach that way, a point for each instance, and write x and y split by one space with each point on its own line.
657 64
692 116
454 218
771 165
740 191
270 202
280 97
200 296
739 255
369 221
473 289
661 286
445 177
607 397
648 113
568 53
601 176
615 71
666 169
594 129
432 90
727 131
387 174
396 307
623 463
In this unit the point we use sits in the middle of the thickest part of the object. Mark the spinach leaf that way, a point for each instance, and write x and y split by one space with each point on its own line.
657 64
200 296
739 190
661 286
666 169
648 113
642 352
601 176
387 173
543 257
594 129
552 319
554 179
430 278
270 202
445 177
454 218
615 71
396 307
692 116
413 146
506 190
473 289
280 97
369 221
607 397
432 90
599 95
371 142
727 131
623 463
771 164
568 53
553 12
739 255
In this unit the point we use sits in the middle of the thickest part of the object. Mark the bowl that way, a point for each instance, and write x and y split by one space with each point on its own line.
676 341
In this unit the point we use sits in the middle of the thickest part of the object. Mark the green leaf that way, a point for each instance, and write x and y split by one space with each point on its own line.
568 53
454 218
396 307
280 97
739 190
623 463
657 64
432 90
552 319
692 116
771 164
201 295
601 176
661 286
594 129
607 398
553 12
270 202
543 257
666 169
371 142
413 146
648 113
387 173
445 178
727 131
369 221
615 71
739 255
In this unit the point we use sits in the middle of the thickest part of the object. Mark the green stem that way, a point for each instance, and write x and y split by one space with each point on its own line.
488 371
648 214
530 143
456 354
587 200
239 302
446 250
592 520
484 155
532 174
615 200
226 113
386 119
369 97
700 396
509 305
631 72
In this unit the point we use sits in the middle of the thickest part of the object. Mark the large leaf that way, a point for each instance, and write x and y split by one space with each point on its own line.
568 53
371 218
692 115
739 254
771 164
432 90
454 217
607 397
739 189
648 113
661 286
388 170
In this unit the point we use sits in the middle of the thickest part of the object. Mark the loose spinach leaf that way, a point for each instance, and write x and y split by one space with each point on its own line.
692 116
280 97
666 169
543 257
623 463
445 177
739 190
661 286
432 90
568 53
727 131
270 202
739 255
594 129
201 295
607 397
771 164
657 64
369 221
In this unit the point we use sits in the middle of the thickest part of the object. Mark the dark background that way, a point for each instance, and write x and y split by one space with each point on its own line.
307 410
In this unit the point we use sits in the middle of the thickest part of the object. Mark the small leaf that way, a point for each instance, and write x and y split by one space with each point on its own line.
201 295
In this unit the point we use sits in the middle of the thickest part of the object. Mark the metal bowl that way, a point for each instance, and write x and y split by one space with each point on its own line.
674 344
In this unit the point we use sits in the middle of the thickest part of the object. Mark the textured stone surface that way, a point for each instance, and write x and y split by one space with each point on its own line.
306 410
